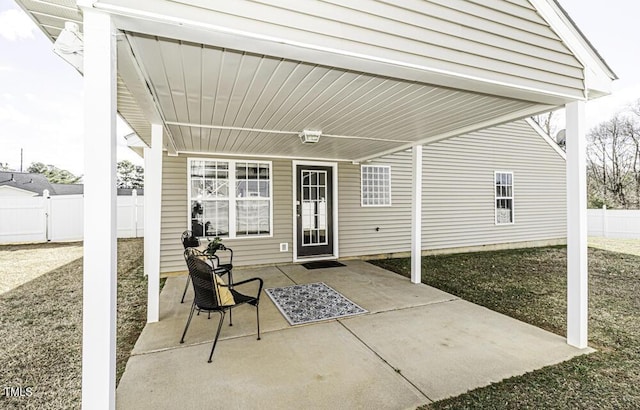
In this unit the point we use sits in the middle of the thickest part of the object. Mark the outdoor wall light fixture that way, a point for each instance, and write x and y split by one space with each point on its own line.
310 136
69 45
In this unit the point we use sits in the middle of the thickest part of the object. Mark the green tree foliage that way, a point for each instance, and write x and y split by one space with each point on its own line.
130 175
54 174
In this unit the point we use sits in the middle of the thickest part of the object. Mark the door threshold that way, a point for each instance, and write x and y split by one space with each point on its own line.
315 258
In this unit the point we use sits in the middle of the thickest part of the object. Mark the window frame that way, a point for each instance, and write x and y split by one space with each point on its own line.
232 197
362 185
511 197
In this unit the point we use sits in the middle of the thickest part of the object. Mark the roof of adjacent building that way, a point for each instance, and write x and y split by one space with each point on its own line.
26 181
37 183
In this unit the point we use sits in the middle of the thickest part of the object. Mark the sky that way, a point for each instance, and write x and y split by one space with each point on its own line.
41 95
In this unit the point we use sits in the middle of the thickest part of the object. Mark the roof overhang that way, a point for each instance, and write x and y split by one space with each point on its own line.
225 90
598 75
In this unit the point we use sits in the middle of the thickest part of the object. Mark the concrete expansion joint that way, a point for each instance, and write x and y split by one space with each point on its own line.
395 369
285 274
398 309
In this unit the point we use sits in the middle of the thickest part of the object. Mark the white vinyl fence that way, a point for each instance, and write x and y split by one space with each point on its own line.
614 223
60 218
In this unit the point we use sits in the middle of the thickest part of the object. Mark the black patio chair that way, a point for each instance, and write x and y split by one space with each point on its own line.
207 295
228 257
214 261
189 240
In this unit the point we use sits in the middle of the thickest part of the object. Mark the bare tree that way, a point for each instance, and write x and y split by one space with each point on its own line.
613 156
634 136
548 122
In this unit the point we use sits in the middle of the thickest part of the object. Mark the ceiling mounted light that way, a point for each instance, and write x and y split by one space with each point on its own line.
310 136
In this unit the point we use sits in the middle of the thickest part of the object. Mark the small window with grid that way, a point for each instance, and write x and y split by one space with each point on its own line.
376 185
504 198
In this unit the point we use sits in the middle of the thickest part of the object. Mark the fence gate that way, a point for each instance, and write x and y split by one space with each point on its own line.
60 218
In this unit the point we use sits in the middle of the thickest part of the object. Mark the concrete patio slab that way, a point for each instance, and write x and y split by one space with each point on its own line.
173 314
309 367
371 287
446 349
417 344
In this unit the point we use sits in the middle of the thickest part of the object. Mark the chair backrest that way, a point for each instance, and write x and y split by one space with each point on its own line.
188 240
203 280
202 256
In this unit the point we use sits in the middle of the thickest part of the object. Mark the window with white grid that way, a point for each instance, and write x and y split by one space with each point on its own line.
230 198
376 185
504 198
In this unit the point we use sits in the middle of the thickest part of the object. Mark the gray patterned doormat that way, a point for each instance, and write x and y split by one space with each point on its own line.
312 302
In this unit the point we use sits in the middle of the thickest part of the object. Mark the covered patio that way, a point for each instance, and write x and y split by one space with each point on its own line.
245 80
417 344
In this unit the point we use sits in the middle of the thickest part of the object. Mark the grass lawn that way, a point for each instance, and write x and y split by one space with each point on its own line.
41 325
530 285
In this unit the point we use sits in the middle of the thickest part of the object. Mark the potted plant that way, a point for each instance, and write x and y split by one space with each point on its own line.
214 245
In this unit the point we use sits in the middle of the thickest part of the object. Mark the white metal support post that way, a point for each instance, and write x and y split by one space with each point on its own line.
100 246
152 204
577 270
416 215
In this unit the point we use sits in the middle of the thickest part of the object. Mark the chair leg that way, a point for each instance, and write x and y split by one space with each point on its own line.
258 320
230 287
193 307
215 341
185 288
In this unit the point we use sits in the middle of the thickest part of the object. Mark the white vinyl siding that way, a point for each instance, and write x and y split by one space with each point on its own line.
458 196
500 41
374 230
375 185
252 250
458 200
458 204
504 198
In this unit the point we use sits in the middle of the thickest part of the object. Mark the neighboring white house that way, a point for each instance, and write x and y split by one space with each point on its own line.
339 128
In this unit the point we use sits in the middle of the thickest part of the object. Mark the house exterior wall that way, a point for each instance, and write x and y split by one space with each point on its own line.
358 234
458 200
247 251
458 196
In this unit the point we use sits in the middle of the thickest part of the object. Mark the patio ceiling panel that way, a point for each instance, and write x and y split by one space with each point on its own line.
130 111
51 15
264 144
246 103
